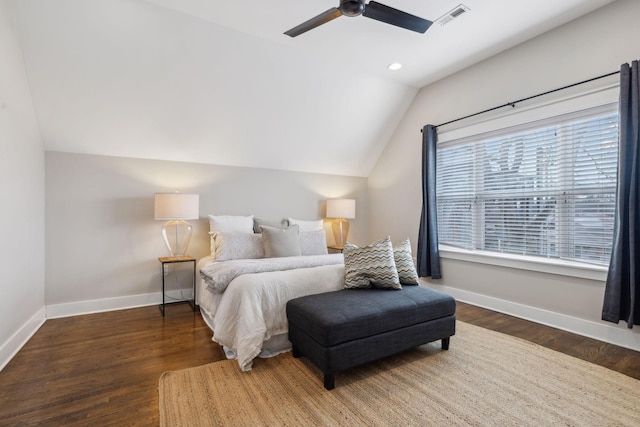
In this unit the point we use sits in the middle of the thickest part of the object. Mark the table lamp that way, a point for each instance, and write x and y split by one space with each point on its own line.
341 210
176 208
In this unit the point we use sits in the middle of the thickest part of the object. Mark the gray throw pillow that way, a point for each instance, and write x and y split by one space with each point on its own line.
404 263
280 242
257 223
371 265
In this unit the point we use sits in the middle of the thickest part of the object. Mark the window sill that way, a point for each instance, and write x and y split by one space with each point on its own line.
542 265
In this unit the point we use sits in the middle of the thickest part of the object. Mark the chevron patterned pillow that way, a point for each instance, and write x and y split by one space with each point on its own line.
404 263
371 265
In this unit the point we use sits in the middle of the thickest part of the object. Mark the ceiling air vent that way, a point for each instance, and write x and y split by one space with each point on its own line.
454 13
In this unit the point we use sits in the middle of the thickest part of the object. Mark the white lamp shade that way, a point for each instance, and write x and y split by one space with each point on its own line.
341 208
176 206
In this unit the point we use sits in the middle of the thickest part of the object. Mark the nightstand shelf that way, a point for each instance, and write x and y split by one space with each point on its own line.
174 260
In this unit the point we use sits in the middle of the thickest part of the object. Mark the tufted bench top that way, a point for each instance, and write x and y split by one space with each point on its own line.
333 318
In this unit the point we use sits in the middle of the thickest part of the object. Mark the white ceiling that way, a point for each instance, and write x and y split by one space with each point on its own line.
215 81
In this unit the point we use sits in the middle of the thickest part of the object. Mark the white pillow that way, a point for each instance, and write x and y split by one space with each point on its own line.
305 226
230 224
313 243
229 246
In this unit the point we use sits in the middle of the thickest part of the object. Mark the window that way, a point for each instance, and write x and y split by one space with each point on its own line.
543 189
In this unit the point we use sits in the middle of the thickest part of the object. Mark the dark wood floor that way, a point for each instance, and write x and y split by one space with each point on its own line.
103 369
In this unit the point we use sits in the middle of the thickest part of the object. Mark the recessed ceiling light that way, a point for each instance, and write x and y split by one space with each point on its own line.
395 66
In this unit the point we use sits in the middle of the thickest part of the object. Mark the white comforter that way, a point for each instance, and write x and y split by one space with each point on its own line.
218 275
252 308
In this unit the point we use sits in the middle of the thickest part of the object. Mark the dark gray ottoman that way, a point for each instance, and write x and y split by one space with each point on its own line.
342 329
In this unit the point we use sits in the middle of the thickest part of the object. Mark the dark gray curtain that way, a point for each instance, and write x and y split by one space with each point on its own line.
428 254
623 279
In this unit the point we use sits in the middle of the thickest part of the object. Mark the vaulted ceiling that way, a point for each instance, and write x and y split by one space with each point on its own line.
218 82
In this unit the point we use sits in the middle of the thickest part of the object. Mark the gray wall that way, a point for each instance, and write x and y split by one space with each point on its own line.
22 210
102 242
590 46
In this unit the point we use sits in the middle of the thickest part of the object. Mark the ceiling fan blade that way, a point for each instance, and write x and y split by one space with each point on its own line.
380 12
312 23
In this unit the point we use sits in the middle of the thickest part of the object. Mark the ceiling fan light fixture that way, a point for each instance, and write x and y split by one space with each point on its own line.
395 66
352 7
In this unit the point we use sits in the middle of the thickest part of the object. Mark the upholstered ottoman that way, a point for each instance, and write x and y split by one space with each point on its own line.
342 329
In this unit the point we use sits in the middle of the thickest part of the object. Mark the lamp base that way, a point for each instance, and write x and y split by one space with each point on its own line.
177 235
340 228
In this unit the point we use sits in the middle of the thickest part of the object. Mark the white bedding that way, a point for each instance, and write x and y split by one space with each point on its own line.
249 320
218 275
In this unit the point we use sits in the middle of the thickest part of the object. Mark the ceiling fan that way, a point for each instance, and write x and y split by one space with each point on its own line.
373 10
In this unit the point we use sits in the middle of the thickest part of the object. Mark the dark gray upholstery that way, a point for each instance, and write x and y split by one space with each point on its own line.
342 329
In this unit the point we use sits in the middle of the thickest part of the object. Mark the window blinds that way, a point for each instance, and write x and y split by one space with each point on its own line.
543 189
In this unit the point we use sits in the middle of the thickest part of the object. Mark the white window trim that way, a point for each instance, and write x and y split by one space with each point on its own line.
538 264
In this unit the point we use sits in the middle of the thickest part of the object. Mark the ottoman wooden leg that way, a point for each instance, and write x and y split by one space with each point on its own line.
329 382
296 353
445 343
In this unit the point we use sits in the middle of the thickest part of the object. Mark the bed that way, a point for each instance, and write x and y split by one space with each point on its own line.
242 293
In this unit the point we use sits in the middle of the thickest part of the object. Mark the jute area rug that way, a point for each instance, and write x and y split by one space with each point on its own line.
485 379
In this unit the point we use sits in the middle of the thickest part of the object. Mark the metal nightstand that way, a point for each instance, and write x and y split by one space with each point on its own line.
173 260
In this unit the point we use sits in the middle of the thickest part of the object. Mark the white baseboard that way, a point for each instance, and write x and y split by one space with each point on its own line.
77 308
20 338
619 334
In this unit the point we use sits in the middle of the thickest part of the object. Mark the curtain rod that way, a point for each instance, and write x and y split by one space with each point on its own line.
513 104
